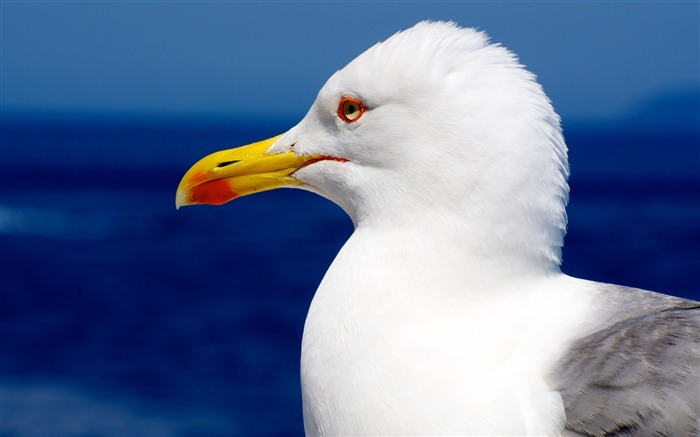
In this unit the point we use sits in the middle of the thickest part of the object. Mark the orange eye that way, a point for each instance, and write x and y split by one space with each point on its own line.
350 110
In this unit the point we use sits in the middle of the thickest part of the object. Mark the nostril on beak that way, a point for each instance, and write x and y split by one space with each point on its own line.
226 163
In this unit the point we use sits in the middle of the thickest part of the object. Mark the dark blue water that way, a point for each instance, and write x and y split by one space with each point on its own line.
122 316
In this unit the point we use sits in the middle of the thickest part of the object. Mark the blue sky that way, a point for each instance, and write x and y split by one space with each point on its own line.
595 59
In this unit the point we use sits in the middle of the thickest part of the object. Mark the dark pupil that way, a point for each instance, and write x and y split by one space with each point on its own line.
351 109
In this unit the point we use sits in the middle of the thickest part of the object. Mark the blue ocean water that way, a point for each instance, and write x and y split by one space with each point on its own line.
122 316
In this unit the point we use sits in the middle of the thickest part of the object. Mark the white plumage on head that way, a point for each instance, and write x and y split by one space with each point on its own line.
456 126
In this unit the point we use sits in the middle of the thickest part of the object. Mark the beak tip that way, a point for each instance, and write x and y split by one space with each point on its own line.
180 199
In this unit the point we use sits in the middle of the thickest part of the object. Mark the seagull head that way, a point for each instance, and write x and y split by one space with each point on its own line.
435 126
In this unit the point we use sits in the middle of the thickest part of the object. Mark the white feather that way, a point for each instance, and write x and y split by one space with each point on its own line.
445 310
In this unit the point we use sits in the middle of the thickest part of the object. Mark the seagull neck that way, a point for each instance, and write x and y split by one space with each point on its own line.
482 255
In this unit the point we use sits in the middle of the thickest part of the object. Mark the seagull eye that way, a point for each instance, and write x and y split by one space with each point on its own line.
350 110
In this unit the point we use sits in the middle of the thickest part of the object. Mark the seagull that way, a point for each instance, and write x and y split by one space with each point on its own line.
446 311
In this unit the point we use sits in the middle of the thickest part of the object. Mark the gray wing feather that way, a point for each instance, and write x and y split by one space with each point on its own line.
637 377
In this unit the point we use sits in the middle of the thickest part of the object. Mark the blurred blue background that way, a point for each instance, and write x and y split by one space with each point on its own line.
121 316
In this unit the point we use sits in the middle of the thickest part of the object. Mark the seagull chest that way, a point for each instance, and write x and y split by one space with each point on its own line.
395 361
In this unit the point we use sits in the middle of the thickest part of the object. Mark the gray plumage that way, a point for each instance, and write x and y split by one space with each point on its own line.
640 374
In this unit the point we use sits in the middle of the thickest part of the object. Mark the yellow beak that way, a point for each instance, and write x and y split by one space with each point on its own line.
226 175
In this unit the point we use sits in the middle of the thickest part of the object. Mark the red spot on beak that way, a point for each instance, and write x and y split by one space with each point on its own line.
216 192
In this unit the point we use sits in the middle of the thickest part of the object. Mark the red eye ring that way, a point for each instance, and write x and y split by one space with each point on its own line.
350 109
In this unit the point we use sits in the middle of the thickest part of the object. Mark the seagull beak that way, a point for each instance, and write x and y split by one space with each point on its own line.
226 175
